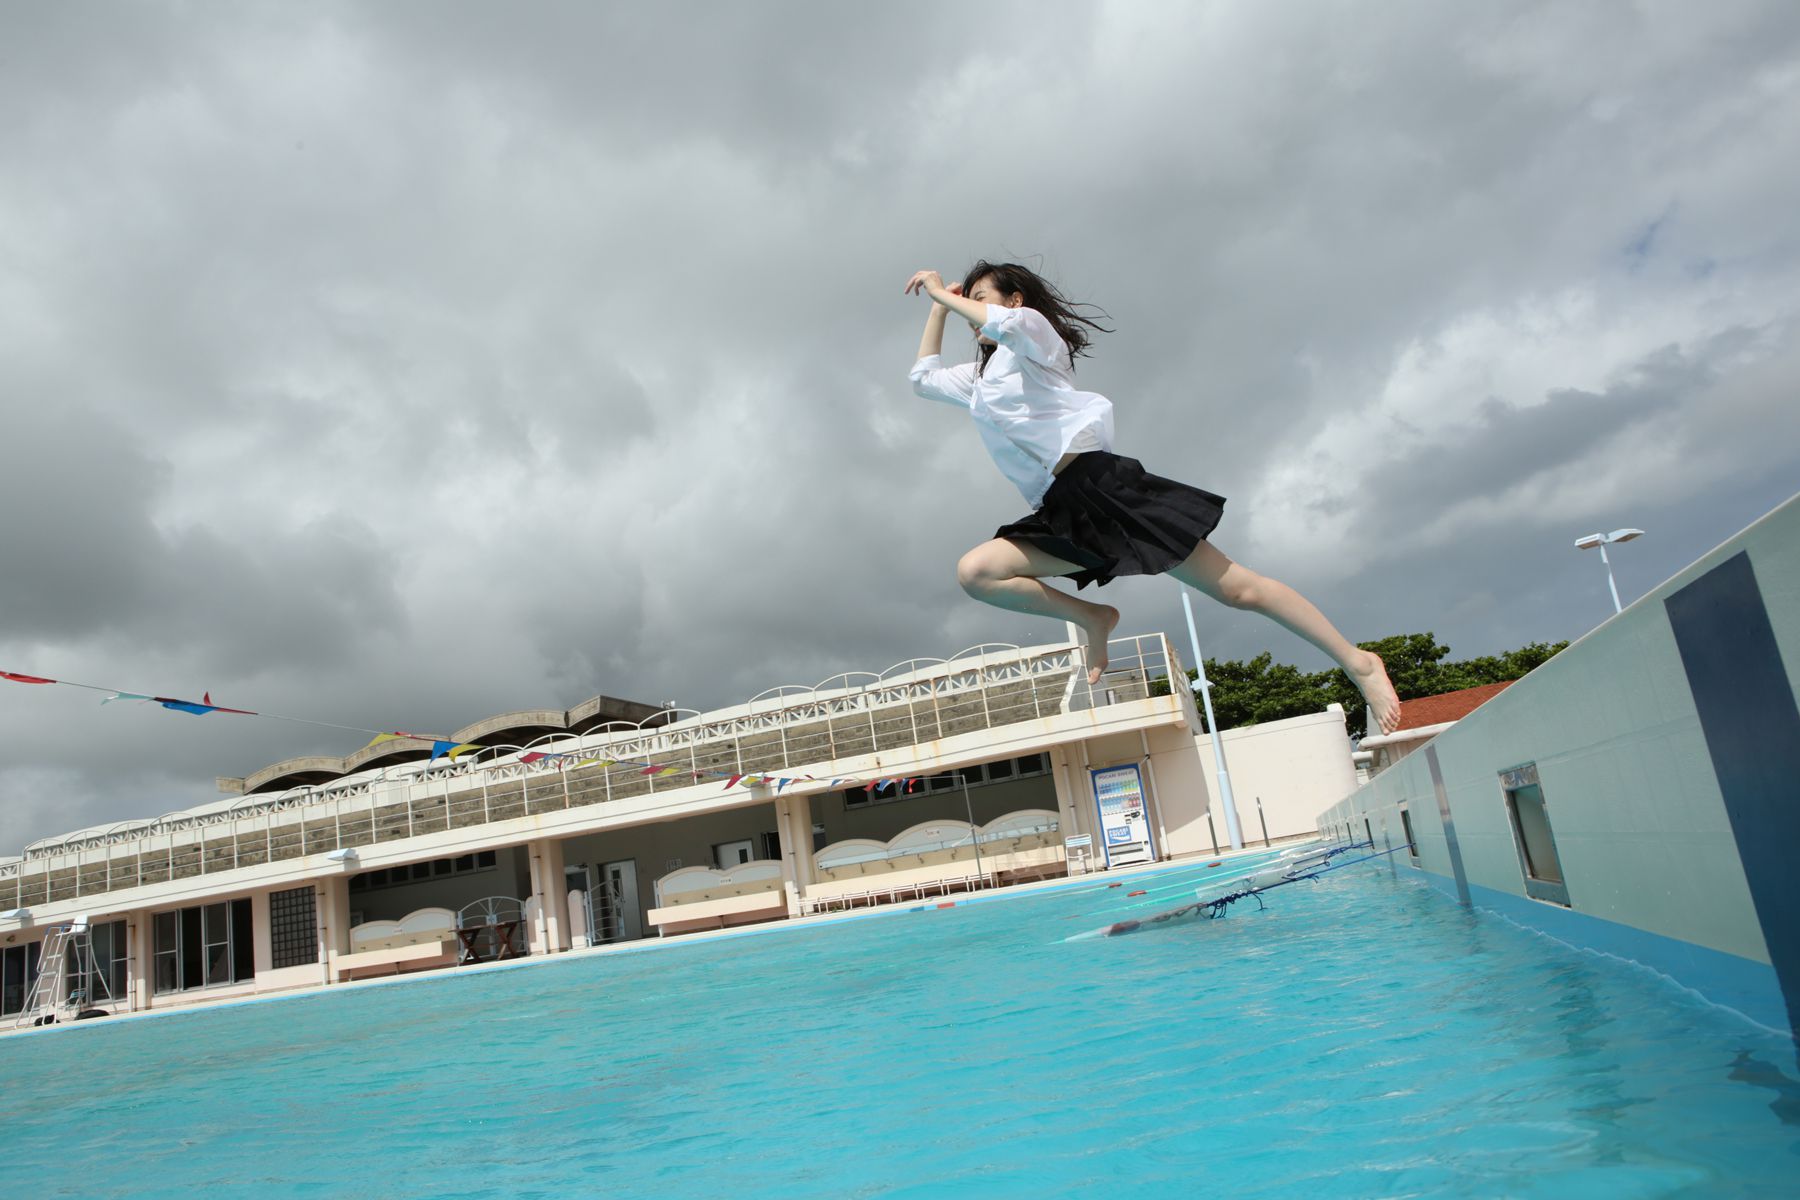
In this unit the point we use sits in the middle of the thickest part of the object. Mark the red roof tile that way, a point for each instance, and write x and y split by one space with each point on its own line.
1447 706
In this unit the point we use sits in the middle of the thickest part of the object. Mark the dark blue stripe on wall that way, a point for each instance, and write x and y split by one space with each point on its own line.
1450 842
1752 728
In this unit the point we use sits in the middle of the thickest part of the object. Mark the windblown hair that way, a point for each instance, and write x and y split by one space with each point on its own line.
1039 294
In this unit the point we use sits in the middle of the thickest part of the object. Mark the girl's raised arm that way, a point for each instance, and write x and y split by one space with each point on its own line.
930 283
933 340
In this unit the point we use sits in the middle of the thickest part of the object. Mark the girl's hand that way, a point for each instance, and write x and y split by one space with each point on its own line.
925 283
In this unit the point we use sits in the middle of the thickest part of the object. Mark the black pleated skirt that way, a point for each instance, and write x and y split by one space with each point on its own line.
1110 517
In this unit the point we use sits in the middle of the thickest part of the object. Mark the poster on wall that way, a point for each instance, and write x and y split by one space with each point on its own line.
1124 820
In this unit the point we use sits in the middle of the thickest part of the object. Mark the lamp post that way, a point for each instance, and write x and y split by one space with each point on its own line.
1232 832
1602 541
974 833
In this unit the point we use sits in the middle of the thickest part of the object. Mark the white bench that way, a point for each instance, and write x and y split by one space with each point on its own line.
421 940
705 898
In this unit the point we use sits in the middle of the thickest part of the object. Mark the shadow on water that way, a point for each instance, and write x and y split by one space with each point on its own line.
1757 1072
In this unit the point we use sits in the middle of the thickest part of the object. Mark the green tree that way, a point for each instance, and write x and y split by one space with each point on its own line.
1246 693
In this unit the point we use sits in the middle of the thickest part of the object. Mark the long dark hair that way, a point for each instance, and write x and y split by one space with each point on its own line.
1039 294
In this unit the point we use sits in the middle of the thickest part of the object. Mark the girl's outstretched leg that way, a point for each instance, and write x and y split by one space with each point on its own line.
1232 583
1006 574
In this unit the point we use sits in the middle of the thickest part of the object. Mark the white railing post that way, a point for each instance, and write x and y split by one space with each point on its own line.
987 716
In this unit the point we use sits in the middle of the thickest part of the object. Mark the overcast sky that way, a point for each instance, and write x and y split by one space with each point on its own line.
400 364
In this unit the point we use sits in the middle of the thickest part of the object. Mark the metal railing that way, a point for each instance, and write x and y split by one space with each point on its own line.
784 731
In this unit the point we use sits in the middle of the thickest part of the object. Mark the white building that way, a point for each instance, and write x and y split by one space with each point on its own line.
614 820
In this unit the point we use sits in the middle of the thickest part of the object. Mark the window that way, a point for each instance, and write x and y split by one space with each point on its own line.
1412 847
976 775
215 926
168 967
18 970
432 869
293 928
205 946
771 845
101 981
1529 817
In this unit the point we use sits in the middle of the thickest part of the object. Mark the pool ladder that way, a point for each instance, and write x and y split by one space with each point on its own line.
71 938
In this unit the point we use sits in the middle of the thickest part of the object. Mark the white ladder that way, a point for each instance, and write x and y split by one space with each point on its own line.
45 996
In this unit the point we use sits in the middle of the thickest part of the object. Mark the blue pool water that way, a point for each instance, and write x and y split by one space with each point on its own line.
1361 1037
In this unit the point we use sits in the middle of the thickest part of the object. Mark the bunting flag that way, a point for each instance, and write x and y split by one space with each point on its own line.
446 748
186 706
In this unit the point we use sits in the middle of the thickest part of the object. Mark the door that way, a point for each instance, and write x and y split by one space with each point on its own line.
620 892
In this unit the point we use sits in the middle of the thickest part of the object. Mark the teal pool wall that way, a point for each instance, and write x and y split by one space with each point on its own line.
1667 750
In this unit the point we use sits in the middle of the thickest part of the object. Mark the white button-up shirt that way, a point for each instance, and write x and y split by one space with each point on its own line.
1025 403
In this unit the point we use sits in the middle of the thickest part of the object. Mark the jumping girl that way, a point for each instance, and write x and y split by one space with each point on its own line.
1095 514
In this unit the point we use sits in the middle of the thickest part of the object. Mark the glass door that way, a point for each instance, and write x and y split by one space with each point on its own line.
626 916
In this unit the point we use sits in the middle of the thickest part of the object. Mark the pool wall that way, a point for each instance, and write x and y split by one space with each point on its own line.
1665 749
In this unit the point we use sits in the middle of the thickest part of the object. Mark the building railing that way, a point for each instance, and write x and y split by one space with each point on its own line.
913 702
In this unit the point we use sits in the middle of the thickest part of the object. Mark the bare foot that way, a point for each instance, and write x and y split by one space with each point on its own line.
1372 679
1106 619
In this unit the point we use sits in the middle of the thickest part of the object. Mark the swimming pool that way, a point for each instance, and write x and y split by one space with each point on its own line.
1361 1037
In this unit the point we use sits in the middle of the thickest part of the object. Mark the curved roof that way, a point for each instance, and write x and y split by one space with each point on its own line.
509 728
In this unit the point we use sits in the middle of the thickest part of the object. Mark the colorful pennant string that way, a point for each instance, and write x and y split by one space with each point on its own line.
447 748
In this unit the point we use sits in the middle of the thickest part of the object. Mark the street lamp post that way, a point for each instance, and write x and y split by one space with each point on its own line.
1602 541
1226 800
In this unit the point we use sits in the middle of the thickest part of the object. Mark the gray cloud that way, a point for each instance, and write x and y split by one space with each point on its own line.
1505 443
88 561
